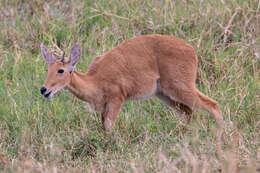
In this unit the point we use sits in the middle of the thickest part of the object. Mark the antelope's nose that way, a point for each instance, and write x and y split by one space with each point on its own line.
43 90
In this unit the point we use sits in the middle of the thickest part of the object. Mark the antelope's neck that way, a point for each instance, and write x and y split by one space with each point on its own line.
82 86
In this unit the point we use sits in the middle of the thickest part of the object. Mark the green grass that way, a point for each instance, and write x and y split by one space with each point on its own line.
38 135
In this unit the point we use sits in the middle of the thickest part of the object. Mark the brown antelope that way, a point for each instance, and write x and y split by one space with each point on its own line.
139 68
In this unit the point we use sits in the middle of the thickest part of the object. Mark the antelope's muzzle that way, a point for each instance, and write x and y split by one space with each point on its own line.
43 92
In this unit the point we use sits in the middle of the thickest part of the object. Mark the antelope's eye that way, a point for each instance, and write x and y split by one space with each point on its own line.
60 71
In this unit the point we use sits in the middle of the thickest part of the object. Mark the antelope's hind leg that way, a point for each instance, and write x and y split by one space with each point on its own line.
196 100
177 106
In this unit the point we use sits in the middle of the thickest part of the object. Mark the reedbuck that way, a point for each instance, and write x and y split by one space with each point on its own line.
137 69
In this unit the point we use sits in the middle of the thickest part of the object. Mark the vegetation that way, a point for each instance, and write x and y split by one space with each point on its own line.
59 135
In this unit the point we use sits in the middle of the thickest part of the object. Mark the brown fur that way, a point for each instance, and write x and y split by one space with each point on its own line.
139 68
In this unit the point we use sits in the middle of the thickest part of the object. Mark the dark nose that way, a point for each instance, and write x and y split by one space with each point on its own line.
43 90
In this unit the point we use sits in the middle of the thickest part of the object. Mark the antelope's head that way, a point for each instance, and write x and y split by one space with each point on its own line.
59 71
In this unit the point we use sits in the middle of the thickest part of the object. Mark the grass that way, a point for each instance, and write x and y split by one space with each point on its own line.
59 135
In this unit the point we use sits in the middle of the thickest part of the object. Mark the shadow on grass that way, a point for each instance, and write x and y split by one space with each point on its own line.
87 147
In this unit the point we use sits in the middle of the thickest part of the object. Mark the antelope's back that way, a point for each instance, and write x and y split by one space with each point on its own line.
139 60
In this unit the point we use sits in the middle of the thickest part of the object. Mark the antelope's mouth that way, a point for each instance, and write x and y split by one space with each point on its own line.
47 95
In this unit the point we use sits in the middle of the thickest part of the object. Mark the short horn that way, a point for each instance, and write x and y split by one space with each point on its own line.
62 58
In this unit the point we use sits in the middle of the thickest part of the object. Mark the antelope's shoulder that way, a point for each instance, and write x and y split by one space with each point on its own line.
93 66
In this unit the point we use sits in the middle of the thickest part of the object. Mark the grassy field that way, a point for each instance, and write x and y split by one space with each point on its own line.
59 135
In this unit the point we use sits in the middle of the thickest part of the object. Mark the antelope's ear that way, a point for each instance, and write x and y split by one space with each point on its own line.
48 57
75 55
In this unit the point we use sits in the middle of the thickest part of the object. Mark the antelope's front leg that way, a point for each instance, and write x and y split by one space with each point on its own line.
110 113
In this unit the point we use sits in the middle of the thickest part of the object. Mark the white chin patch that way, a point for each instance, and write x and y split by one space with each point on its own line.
55 91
